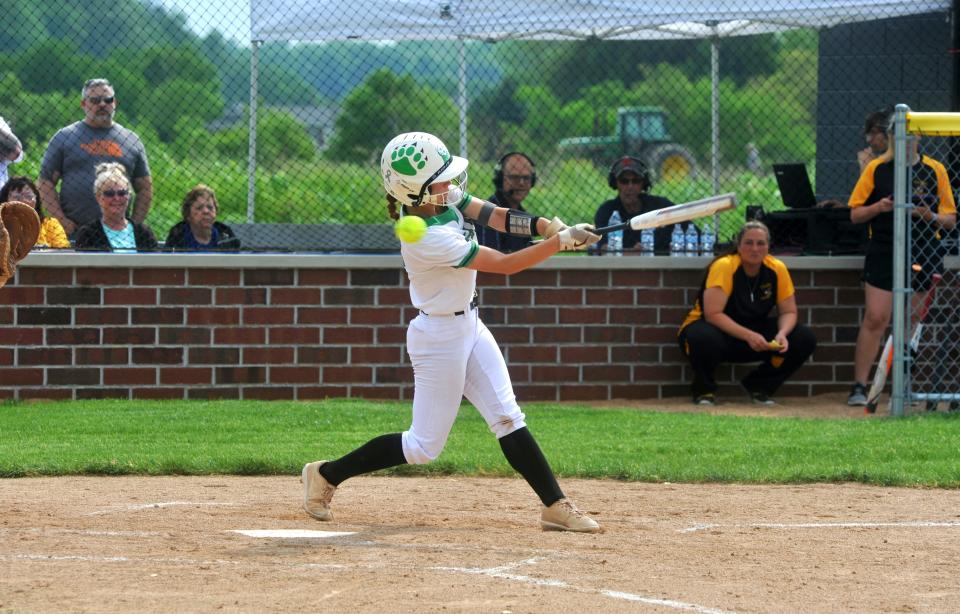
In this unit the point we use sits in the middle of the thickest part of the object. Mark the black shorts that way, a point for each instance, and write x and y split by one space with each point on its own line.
878 270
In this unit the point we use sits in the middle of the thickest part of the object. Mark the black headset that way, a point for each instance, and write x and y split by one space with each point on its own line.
633 164
498 169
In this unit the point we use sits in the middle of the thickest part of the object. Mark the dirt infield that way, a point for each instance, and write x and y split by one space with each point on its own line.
831 405
86 544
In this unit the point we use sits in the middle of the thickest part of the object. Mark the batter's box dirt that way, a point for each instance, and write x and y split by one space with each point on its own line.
169 544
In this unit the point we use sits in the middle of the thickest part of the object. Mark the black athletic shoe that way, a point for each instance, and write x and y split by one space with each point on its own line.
761 398
709 400
858 395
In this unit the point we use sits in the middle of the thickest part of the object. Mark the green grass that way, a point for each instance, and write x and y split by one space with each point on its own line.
259 438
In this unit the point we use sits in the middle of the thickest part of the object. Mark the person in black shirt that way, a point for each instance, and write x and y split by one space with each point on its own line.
513 177
630 177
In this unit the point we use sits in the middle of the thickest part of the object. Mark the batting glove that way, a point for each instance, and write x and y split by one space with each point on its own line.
576 238
556 225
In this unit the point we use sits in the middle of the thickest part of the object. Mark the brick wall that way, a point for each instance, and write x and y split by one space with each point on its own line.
77 326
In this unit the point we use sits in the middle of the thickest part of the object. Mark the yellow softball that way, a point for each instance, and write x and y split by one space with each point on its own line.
410 228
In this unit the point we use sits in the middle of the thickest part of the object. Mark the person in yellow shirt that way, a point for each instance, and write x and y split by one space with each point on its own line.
22 189
746 311
933 212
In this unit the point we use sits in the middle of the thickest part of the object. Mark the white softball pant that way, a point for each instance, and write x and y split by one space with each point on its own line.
455 357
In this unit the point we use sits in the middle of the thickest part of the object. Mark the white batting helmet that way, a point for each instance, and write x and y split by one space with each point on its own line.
412 161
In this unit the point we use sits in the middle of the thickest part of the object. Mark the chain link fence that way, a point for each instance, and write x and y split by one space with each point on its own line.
931 287
283 106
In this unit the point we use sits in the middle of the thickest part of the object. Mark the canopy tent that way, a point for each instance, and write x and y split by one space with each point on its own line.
324 20
498 20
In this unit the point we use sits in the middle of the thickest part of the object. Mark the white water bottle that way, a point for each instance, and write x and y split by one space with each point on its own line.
708 240
647 241
676 240
692 241
615 237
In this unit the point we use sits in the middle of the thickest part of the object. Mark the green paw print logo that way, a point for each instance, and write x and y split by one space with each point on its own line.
407 159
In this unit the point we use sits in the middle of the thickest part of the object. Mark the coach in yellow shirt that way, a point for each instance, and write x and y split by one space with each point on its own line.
933 212
732 320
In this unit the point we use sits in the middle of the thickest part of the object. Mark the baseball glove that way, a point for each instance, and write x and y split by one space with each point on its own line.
19 230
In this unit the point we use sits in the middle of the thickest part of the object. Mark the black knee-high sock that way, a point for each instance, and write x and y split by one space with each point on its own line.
378 453
525 457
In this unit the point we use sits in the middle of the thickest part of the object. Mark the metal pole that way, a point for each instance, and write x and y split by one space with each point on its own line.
715 127
462 93
900 205
252 143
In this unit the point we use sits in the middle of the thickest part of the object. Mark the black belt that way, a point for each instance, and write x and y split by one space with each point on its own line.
473 305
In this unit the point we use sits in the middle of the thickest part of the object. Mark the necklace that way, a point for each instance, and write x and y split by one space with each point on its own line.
753 284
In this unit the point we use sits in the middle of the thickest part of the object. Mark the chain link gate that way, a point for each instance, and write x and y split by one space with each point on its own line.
926 305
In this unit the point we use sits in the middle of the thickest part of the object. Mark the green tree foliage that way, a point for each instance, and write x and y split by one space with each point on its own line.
19 106
72 67
383 106
93 26
168 104
581 64
280 137
165 63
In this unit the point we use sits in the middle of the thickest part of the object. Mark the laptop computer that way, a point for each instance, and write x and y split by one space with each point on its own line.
794 184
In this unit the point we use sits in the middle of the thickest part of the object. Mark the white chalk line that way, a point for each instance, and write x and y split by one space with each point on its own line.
84 532
83 558
824 525
158 505
502 573
291 533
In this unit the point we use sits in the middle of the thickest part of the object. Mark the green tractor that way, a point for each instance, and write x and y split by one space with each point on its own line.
641 132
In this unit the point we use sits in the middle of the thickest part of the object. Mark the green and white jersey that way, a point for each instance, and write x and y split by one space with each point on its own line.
439 282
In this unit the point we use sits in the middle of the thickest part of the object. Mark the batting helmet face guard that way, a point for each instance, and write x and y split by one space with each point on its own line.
629 164
498 169
412 161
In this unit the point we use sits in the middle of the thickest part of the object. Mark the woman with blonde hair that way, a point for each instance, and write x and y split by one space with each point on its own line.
114 231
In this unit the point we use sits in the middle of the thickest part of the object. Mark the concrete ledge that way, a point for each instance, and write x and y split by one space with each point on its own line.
71 258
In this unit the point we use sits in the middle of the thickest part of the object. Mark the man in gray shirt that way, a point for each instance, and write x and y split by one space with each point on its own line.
75 150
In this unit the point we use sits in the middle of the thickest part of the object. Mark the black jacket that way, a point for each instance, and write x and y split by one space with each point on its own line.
648 202
177 237
92 237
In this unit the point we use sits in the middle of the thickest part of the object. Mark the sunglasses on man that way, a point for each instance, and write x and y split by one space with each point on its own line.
112 193
99 99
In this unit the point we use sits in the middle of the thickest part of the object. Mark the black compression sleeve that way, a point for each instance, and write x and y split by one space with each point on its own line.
378 453
525 457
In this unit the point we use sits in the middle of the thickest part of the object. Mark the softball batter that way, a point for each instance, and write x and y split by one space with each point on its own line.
453 353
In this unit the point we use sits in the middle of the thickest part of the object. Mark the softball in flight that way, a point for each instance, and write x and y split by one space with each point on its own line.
410 228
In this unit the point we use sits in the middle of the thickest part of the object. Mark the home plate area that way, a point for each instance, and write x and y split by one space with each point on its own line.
117 544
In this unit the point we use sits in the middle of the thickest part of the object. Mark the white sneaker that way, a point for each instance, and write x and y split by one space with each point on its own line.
317 491
563 515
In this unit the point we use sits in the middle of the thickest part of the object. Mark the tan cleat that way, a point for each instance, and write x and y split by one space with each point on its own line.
317 491
563 515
